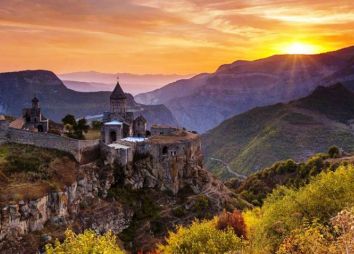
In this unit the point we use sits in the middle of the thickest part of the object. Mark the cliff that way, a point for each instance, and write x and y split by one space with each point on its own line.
45 191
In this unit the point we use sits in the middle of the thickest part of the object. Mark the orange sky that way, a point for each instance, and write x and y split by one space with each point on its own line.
166 36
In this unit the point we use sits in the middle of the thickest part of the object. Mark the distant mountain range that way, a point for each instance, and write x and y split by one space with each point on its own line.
18 88
92 81
257 138
204 101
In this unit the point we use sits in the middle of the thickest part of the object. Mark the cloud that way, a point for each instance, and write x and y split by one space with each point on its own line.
182 36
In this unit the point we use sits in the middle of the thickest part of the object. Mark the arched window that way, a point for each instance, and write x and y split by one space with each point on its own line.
164 150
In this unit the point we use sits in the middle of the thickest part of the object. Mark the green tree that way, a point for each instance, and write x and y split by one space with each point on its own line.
75 129
69 119
96 125
86 243
333 152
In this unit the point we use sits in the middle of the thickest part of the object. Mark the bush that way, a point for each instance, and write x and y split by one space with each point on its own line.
232 220
87 243
333 152
201 237
286 209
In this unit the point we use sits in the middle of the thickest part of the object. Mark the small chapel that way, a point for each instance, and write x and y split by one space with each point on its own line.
119 122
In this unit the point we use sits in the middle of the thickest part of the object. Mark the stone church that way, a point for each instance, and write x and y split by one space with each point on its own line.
32 119
119 123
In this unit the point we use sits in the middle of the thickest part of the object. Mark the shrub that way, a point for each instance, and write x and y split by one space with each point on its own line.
333 152
201 237
286 209
85 243
232 220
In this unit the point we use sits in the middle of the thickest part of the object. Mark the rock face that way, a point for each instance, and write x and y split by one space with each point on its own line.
204 101
66 206
171 163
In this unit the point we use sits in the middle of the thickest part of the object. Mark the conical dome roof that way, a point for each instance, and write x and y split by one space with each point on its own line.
118 93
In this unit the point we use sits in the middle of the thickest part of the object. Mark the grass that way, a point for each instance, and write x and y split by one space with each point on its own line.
28 172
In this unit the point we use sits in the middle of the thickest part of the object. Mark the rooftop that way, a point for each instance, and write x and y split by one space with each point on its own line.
179 137
114 123
18 123
134 139
118 146
118 93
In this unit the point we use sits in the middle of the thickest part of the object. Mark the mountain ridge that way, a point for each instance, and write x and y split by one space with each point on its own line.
204 101
18 88
257 138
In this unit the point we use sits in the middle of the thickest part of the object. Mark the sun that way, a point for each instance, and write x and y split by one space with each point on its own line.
300 48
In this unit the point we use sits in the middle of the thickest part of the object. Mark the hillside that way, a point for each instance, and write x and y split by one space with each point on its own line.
18 88
261 136
204 101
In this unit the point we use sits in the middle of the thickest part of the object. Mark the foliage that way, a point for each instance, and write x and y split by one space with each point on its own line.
96 125
232 220
69 119
86 243
75 129
201 237
289 173
333 152
312 239
344 224
201 206
286 209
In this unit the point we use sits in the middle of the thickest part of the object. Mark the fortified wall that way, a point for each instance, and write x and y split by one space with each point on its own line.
83 150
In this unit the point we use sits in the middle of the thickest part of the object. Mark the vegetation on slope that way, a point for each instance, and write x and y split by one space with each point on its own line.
86 243
255 139
313 219
28 172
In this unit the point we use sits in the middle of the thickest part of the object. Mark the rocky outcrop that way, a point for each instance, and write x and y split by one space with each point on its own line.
63 207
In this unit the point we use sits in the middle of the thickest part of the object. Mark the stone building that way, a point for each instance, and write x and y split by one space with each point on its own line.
140 126
32 119
119 123
157 130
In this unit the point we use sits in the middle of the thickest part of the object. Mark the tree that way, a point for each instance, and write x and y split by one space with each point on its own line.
96 125
75 129
232 220
333 152
69 119
86 243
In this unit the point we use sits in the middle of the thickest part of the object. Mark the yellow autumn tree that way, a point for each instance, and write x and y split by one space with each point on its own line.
202 237
86 243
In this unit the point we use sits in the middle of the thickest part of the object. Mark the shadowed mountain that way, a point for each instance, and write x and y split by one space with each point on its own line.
259 137
18 88
204 101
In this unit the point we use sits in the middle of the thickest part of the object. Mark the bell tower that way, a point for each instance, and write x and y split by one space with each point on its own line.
118 100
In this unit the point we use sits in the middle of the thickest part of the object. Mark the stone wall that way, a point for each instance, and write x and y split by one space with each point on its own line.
123 156
168 166
82 150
